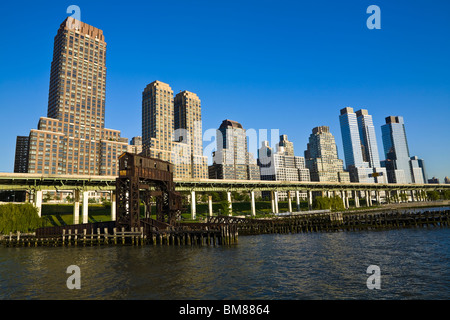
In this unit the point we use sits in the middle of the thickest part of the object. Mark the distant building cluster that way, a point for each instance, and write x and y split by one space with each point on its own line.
231 160
72 139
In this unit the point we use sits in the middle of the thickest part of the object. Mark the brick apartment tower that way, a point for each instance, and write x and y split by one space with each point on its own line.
72 139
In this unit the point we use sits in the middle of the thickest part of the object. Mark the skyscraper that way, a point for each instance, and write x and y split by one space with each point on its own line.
321 157
172 129
188 125
21 156
351 139
231 160
157 121
368 139
135 145
417 170
72 139
400 167
288 146
360 147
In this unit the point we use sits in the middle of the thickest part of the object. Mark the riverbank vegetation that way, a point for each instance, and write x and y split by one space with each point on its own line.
19 217
24 217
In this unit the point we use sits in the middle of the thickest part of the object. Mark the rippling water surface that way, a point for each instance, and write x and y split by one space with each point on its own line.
414 264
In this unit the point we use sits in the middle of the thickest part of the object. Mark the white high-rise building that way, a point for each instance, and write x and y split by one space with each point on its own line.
280 165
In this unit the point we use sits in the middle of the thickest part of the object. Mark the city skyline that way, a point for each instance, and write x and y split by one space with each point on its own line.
253 102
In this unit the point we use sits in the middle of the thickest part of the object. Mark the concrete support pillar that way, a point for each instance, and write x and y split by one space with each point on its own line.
113 206
310 200
210 209
276 201
85 206
377 192
193 205
32 196
356 197
272 201
297 200
367 198
289 202
412 196
76 206
230 205
343 198
252 197
370 197
346 200
38 201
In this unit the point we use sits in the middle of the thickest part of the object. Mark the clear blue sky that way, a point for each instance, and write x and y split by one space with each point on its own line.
287 65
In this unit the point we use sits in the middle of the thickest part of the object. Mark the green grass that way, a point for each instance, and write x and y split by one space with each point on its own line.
62 214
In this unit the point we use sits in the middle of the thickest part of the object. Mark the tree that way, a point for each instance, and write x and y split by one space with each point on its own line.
47 197
225 207
19 217
433 195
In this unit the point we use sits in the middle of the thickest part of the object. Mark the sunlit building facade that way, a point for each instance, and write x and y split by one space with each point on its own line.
321 157
72 139
231 160
360 147
172 129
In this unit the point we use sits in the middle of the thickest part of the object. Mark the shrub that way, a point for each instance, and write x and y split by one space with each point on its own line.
323 203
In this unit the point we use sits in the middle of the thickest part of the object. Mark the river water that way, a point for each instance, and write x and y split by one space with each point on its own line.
413 264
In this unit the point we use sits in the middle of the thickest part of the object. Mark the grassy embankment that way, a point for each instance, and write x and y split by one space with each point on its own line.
62 214
24 218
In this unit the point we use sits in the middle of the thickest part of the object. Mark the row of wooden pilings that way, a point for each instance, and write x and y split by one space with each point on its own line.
223 235
330 222
396 220
227 233
293 224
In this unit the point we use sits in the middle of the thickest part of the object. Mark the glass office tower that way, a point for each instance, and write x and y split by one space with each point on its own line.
368 138
360 147
396 150
351 140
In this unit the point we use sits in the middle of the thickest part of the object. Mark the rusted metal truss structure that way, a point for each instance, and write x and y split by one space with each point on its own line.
141 179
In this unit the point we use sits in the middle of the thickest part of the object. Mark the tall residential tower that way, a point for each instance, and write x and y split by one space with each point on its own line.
72 139
172 129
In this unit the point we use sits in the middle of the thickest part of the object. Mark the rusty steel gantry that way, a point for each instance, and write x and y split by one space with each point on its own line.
149 177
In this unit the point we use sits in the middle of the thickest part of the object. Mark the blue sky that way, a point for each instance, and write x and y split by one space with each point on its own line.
287 65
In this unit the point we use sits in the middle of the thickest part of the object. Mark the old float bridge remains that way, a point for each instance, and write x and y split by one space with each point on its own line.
143 179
